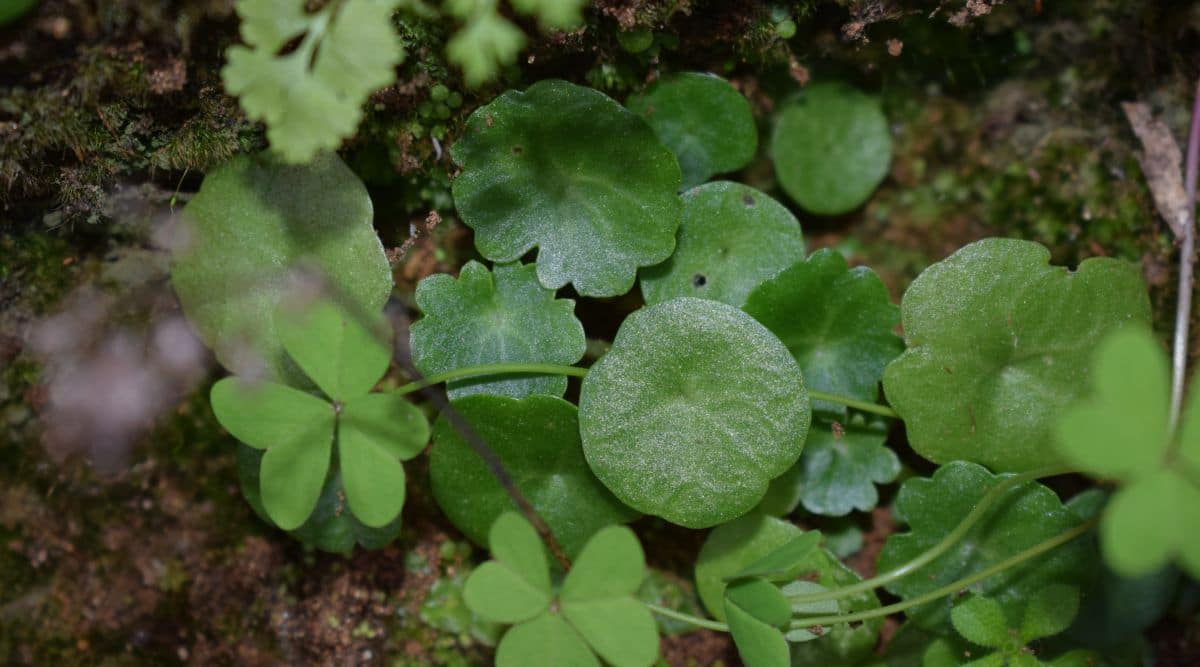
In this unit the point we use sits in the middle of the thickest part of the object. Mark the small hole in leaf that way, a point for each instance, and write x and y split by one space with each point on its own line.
517 150
748 201
699 280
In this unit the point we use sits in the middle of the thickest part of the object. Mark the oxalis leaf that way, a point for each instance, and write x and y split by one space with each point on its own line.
595 614
755 610
732 238
838 470
490 317
831 148
297 431
311 98
254 223
703 120
838 323
537 440
1028 515
569 171
1120 431
732 547
692 412
999 344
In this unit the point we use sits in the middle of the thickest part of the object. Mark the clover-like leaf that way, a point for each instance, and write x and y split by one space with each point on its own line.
331 526
839 469
981 620
1121 429
705 121
293 474
515 586
989 367
837 322
566 169
546 641
1049 612
252 224
597 599
311 97
733 546
537 441
831 148
754 610
782 562
1029 514
692 412
731 239
490 317
344 353
1151 520
375 432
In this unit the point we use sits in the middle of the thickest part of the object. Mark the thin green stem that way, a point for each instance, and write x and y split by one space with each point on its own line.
948 589
960 531
687 618
492 369
853 403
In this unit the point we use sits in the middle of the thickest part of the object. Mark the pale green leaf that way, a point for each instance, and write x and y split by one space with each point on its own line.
1151 521
705 121
759 644
619 629
759 598
374 432
732 237
516 545
692 412
537 441
611 565
546 641
387 421
980 620
293 474
485 43
499 594
553 14
491 317
1049 612
253 224
823 607
782 562
831 148
999 343
567 170
265 414
343 352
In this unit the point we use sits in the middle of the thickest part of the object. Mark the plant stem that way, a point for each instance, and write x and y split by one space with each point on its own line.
960 531
948 589
853 403
687 618
492 369
1187 260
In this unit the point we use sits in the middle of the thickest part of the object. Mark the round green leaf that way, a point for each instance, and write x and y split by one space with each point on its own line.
500 595
692 412
611 564
266 414
619 629
387 421
999 343
343 352
1028 515
839 469
1150 521
838 323
537 441
490 317
566 169
515 544
705 121
731 239
546 641
831 148
374 432
332 526
980 620
293 474
253 223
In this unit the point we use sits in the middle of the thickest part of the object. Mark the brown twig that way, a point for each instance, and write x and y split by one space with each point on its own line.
1187 261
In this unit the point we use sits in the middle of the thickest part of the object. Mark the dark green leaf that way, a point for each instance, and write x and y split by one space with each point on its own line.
831 148
569 171
254 223
842 465
484 318
837 322
703 120
537 441
989 368
731 239
692 412
1028 515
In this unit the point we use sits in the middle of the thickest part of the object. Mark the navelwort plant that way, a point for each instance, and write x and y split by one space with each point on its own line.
745 389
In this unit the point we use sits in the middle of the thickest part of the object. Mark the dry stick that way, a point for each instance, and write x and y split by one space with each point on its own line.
1187 261
399 321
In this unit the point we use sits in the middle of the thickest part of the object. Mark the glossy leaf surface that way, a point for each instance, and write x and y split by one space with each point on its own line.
537 441
485 317
999 343
692 412
831 147
731 239
569 171
705 121
838 322
255 222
